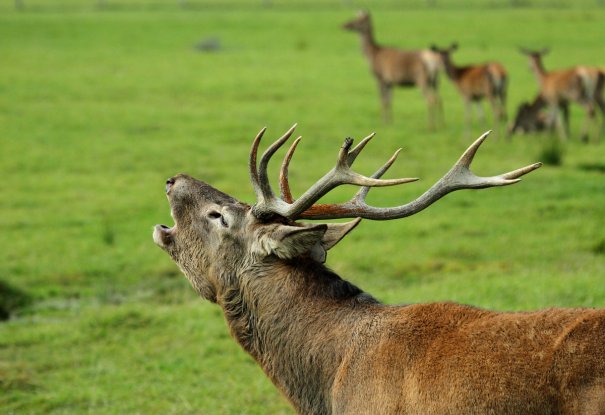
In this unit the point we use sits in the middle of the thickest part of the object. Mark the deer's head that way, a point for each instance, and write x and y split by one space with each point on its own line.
361 23
215 236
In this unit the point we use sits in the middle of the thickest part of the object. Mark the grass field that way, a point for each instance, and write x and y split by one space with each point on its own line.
98 106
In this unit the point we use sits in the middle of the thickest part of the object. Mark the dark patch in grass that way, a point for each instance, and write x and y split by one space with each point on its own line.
119 321
16 376
593 167
12 300
599 248
109 232
552 153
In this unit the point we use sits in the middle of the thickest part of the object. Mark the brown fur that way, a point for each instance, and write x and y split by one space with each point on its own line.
580 84
333 349
394 67
530 117
477 82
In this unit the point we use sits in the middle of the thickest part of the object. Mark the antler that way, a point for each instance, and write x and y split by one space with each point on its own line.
268 205
458 177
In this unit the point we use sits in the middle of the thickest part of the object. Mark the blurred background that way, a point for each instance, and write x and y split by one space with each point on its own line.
102 100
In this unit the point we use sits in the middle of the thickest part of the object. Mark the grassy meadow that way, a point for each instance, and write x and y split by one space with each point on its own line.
100 102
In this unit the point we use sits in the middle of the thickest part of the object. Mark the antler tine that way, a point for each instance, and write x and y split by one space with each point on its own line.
252 161
458 177
363 192
355 152
339 175
263 177
284 185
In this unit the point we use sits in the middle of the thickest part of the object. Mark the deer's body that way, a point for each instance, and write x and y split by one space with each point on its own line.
333 349
531 117
395 67
580 84
477 82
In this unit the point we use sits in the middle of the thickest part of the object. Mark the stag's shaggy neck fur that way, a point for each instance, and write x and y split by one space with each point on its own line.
283 313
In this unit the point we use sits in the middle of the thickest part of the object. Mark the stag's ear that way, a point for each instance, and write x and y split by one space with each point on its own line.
337 231
288 242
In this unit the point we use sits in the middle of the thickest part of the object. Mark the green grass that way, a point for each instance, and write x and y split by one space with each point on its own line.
99 107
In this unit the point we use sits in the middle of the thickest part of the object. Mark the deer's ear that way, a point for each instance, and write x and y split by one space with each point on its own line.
288 242
337 231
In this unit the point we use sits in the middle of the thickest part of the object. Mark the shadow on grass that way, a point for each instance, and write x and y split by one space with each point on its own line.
12 300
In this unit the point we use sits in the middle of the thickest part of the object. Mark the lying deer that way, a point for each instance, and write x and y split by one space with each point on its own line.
477 82
531 117
580 84
393 67
333 349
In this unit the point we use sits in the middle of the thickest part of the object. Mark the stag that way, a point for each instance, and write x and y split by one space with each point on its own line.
580 84
394 67
477 82
333 349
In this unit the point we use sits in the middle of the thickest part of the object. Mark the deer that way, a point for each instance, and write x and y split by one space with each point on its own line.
531 118
395 67
580 84
476 82
332 348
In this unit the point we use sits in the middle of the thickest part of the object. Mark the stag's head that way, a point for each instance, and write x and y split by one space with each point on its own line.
215 237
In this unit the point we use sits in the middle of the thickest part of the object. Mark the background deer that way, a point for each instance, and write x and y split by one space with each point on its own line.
581 84
531 117
477 82
393 67
333 349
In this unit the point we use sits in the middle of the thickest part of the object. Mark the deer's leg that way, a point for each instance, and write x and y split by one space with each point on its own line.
561 117
431 101
468 115
385 98
601 105
589 118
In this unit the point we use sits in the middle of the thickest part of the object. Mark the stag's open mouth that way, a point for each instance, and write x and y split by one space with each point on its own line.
163 235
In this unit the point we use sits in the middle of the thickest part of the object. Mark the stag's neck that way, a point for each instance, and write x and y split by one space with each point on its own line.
297 322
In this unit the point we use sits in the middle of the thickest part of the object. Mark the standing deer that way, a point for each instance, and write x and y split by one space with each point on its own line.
580 84
333 349
476 82
393 67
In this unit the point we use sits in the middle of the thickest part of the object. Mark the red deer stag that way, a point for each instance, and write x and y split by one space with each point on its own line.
580 84
476 82
333 349
393 67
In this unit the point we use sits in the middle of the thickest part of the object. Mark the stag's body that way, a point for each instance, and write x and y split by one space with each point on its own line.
395 67
477 82
580 84
333 349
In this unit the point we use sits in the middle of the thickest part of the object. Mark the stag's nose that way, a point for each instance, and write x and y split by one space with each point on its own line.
169 184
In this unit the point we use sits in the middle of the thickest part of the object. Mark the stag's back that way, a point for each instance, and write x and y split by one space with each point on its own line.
454 359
